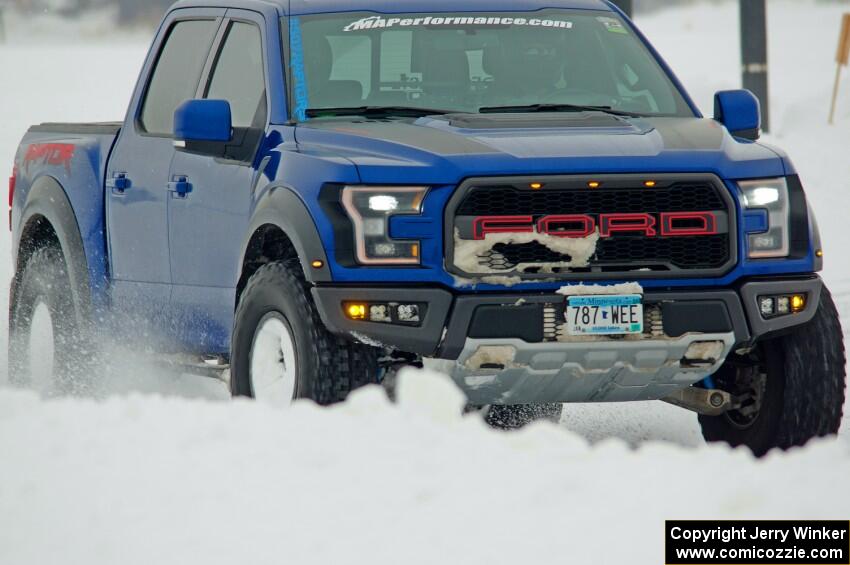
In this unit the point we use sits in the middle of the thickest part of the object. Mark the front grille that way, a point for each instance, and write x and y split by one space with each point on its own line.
638 254
508 200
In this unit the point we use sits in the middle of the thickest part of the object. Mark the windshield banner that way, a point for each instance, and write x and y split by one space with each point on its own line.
380 22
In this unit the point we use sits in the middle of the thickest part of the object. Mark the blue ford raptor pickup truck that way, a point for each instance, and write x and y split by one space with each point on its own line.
306 195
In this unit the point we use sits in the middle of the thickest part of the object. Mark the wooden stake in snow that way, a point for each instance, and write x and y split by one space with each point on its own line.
842 58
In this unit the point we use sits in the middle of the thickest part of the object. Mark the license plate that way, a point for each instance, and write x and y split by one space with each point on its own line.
605 315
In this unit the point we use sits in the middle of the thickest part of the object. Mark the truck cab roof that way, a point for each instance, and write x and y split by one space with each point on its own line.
302 7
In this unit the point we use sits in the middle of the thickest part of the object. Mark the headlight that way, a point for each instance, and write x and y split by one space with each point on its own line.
770 195
370 209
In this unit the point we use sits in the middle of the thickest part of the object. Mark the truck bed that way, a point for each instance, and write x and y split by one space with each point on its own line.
67 162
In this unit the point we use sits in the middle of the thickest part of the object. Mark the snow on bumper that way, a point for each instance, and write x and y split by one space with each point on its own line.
512 371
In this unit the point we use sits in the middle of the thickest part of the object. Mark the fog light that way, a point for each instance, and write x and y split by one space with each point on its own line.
767 306
783 305
408 313
379 313
356 311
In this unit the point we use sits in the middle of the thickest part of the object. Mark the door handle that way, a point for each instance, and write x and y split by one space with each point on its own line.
118 183
179 186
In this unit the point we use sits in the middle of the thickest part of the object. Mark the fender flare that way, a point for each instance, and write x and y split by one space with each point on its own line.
281 207
47 199
817 246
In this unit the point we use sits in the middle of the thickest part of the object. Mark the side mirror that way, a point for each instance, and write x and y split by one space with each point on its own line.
740 112
203 121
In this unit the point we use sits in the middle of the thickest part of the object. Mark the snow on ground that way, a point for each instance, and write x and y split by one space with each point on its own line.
150 480
140 478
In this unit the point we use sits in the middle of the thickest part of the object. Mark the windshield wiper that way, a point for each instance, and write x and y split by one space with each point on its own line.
556 108
376 111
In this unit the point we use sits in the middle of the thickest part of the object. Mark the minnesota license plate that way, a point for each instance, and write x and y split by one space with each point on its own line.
605 315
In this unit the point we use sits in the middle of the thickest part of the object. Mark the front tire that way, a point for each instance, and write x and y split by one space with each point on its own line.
795 388
282 351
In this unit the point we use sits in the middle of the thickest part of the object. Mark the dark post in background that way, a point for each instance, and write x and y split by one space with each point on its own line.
626 6
754 54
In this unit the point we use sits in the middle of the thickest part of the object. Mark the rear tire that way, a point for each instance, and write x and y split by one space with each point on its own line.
517 416
321 366
797 386
43 290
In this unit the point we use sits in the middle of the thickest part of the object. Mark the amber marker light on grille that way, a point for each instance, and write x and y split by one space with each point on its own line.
819 253
798 303
594 184
355 311
650 184
536 186
318 264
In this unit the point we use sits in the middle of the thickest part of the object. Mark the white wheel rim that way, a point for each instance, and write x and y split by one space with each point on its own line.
273 363
42 350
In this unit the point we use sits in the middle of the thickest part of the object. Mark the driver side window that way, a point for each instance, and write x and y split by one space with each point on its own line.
177 73
239 78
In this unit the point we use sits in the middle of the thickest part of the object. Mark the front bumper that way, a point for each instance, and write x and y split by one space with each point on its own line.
536 366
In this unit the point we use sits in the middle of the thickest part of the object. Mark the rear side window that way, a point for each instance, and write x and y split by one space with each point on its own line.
177 72
238 76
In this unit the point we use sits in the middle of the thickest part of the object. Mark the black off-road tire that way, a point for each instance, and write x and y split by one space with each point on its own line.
329 367
803 393
517 416
45 280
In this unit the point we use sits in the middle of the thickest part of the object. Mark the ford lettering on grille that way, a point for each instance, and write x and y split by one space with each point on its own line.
668 224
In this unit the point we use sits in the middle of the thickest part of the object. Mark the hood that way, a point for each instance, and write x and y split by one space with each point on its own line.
446 149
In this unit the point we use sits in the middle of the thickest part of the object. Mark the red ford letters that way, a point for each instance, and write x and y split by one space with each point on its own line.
667 224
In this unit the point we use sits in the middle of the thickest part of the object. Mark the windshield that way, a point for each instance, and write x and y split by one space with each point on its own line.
463 62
